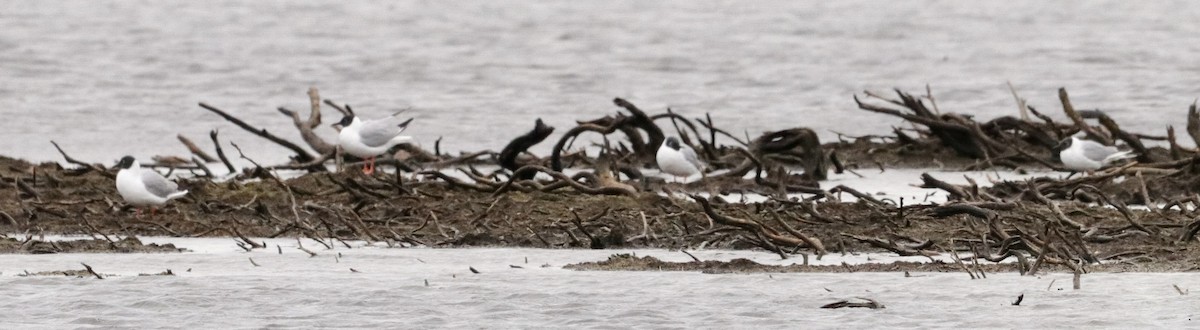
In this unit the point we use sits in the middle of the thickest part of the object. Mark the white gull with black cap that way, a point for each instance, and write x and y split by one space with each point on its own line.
141 187
678 159
369 138
1085 155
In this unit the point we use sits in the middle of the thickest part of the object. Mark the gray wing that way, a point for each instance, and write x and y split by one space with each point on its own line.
157 184
378 132
1095 151
690 156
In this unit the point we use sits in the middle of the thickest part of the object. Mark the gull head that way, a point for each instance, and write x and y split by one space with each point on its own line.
348 120
126 162
1064 145
672 143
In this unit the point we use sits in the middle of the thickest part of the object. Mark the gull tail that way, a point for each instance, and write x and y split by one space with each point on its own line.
177 195
1119 157
400 139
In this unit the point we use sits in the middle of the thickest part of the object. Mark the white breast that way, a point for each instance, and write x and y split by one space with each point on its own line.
131 188
672 162
1074 159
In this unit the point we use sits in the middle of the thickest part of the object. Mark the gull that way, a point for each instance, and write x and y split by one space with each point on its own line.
141 187
1085 155
677 159
369 138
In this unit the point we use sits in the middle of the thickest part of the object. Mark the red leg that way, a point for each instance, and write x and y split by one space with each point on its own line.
369 167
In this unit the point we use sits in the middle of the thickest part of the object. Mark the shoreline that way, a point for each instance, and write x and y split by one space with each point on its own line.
615 200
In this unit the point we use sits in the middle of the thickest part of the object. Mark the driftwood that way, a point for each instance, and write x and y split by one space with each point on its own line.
93 167
953 134
195 150
796 145
596 187
221 153
306 126
1113 128
638 120
1025 220
508 155
865 303
1078 119
771 235
301 154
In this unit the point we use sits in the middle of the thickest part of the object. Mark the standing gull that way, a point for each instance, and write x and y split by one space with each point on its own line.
1085 155
369 138
677 159
141 187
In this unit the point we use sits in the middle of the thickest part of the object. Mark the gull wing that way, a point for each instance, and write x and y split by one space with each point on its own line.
690 156
1095 151
157 184
378 132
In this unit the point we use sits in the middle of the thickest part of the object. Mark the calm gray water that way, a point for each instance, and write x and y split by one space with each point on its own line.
291 290
112 78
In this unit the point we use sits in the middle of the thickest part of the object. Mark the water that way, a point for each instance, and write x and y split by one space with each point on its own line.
107 79
223 289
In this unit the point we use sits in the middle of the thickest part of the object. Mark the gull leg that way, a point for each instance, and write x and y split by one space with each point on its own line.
369 167
153 211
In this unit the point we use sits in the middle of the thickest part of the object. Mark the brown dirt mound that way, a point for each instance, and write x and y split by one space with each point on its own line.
125 245
629 262
407 212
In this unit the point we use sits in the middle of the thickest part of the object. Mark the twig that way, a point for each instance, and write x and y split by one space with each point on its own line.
91 271
93 167
1075 117
1022 108
690 255
301 248
191 146
870 303
301 154
221 153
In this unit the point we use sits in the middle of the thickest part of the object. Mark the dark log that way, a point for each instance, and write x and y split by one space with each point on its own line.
787 141
642 121
508 156
556 154
956 209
